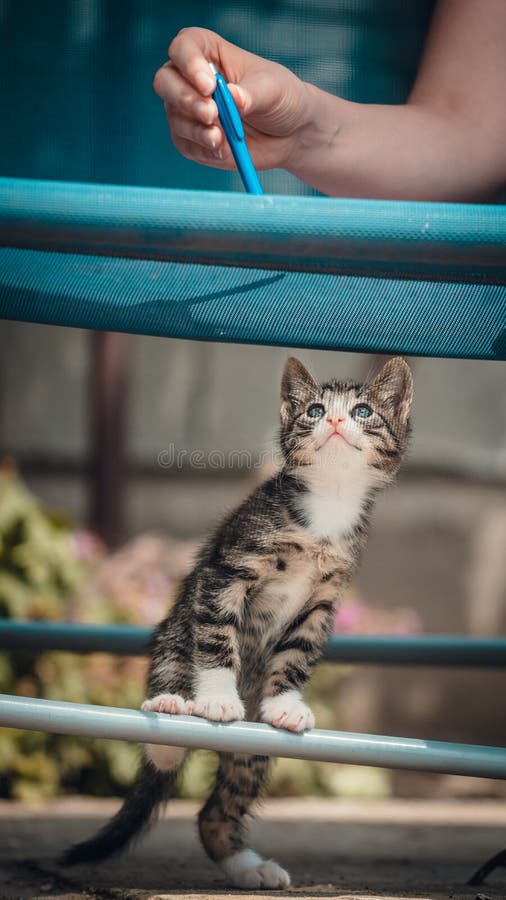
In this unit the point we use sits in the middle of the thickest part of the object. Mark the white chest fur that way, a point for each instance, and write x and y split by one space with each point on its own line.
332 515
332 503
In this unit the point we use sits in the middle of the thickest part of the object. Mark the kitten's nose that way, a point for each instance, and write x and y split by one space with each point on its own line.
335 420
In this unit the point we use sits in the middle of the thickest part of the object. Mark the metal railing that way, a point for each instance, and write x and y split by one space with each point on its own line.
417 650
252 737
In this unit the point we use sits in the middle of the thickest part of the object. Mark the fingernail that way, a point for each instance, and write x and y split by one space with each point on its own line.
213 135
242 96
205 83
218 154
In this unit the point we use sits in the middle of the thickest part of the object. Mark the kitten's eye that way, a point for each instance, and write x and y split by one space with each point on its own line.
362 411
315 411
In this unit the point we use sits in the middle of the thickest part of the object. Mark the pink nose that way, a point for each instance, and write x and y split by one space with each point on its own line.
333 420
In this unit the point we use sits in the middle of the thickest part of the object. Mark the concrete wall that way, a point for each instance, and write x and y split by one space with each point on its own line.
203 396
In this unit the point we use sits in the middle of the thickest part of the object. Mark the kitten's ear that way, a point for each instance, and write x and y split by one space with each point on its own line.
297 384
393 386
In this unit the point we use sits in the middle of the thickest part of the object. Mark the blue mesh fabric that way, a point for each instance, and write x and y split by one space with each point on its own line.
254 305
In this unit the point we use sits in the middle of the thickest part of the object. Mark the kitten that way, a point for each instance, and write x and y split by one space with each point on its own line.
253 616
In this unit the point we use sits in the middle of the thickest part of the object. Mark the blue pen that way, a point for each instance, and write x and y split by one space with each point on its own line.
234 130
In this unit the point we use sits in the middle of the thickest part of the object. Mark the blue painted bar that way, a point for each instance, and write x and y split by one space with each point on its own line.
440 650
248 737
311 234
128 640
419 650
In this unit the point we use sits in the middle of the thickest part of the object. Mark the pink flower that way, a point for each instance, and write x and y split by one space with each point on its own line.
356 616
87 546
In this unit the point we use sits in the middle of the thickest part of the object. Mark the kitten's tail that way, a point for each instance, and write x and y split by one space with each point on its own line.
150 789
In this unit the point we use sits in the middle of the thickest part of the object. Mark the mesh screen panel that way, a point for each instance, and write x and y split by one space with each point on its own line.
254 306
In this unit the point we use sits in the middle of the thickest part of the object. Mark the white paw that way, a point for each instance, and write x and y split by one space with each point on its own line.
219 709
287 710
248 870
272 875
169 703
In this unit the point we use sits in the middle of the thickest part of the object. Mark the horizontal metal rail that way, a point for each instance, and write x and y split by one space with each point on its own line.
248 737
309 234
437 650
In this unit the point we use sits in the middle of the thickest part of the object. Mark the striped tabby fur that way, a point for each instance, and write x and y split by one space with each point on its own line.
252 617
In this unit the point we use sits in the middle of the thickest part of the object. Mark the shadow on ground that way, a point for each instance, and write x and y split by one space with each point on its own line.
421 850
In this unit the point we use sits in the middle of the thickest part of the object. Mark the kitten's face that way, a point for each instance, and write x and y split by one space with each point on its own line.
346 425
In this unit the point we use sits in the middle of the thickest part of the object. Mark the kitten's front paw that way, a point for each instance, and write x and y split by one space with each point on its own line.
169 703
287 710
219 709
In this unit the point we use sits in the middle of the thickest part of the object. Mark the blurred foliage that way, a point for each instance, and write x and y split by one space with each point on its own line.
49 571
45 567
37 565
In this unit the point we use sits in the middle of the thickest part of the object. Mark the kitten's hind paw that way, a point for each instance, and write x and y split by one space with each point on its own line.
287 710
248 870
173 704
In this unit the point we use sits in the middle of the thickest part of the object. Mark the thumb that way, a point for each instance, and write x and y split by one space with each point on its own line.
265 91
242 97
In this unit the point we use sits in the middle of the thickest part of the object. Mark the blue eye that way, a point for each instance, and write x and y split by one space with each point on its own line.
362 411
316 411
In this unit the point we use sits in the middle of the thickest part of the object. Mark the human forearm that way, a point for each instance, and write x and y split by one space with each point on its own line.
411 151
447 142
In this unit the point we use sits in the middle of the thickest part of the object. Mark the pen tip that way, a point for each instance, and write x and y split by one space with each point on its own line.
213 68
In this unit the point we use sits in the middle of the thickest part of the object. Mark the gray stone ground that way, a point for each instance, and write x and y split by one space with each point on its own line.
417 850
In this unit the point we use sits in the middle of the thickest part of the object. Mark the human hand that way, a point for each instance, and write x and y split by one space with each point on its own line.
272 101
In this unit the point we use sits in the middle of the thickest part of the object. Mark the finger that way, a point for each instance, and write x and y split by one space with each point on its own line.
175 91
210 137
191 51
198 154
